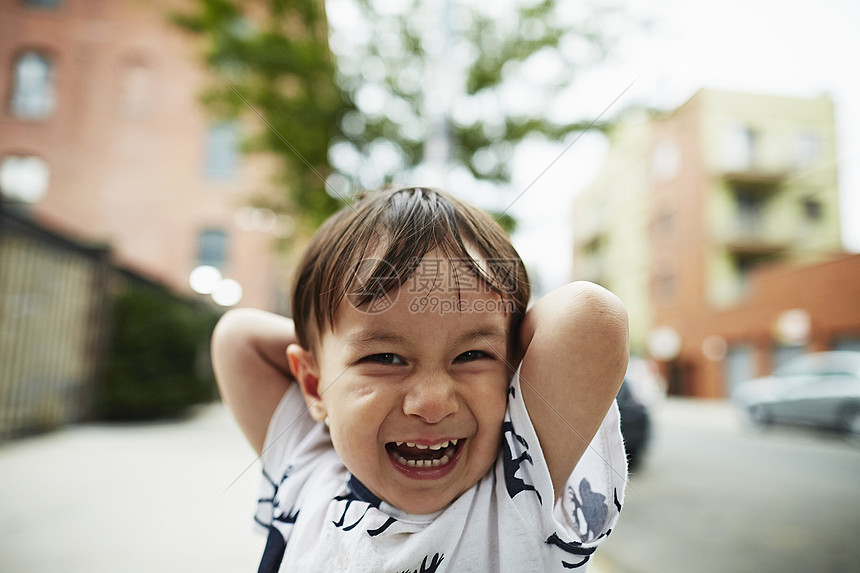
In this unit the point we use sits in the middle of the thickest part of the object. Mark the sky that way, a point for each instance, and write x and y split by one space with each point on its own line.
791 47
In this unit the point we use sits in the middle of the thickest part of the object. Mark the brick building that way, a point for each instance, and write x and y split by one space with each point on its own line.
790 309
689 209
103 135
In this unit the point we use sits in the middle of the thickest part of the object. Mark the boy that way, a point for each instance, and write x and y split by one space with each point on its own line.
421 419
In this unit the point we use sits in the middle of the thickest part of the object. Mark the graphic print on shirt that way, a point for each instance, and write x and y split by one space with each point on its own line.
590 513
278 513
590 508
349 499
353 518
428 568
358 493
514 484
276 542
573 548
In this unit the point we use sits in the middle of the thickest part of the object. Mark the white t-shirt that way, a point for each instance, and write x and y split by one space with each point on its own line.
321 518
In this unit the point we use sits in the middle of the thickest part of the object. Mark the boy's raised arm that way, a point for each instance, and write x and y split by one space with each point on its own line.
575 346
250 363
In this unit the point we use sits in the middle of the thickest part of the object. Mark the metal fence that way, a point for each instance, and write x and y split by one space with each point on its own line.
55 306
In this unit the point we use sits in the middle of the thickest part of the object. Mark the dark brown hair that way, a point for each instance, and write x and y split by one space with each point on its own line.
384 235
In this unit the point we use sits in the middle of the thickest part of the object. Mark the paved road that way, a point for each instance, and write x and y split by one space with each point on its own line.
176 497
135 498
715 496
171 497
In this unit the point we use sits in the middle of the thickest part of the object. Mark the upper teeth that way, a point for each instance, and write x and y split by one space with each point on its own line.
439 446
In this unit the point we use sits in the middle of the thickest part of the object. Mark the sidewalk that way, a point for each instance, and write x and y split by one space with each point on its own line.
131 498
135 498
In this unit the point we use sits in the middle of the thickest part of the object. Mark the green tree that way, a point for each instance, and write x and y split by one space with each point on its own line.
391 90
271 63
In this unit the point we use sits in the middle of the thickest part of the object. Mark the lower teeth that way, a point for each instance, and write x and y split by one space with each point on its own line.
423 463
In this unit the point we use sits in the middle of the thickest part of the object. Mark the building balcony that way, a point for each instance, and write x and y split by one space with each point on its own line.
753 177
751 236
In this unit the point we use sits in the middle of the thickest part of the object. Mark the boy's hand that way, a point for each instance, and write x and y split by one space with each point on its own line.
250 362
575 350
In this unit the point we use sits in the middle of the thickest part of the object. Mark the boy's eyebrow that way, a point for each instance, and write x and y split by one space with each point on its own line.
486 333
368 336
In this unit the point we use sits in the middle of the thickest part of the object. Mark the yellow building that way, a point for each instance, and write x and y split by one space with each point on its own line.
610 221
690 202
773 191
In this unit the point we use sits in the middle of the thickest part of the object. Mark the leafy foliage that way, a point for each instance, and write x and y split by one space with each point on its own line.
478 77
408 88
157 349
271 58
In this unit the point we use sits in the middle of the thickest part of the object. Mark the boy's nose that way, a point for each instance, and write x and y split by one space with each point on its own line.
431 397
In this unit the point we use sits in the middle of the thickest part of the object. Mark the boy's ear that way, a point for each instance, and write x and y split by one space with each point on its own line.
306 373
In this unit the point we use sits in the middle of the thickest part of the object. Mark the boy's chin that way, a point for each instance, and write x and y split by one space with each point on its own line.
427 505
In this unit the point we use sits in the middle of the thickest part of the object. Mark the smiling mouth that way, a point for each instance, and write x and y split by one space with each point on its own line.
421 456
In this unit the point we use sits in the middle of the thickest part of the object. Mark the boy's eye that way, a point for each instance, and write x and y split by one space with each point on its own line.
385 358
471 355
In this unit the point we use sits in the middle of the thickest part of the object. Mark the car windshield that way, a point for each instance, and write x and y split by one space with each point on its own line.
822 363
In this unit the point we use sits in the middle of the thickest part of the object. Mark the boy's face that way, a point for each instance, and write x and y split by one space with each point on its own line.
415 392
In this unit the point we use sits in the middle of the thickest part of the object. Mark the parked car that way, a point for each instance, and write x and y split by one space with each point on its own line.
635 424
820 389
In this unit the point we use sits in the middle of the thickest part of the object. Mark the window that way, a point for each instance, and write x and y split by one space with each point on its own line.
812 209
740 144
748 141
44 4
739 364
848 342
212 249
666 160
32 87
784 354
808 148
802 365
664 281
136 89
744 264
222 150
664 224
750 212
665 285
24 178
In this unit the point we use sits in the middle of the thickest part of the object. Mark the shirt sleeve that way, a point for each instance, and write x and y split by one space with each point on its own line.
292 433
594 492
589 506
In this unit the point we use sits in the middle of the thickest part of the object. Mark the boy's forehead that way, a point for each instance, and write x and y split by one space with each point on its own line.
437 284
447 299
375 282
440 274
